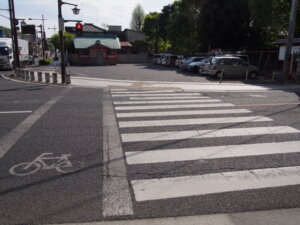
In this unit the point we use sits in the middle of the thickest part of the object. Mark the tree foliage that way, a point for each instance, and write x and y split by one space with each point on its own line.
190 26
224 24
137 19
151 29
68 40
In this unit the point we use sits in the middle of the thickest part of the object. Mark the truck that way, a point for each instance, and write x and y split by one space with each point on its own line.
7 53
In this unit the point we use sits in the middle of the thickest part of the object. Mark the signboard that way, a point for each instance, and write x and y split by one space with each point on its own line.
28 29
61 24
295 50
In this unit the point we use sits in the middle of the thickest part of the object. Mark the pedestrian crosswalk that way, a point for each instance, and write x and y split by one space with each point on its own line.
153 123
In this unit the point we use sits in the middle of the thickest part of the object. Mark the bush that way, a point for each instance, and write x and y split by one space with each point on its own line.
45 61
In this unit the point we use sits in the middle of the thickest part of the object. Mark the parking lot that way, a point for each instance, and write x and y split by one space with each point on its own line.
144 72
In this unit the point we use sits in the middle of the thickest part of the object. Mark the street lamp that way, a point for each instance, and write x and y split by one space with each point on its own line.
76 10
42 34
61 36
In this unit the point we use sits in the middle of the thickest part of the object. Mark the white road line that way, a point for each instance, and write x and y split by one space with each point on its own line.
193 121
170 98
156 94
165 102
177 187
183 113
14 112
183 106
115 189
199 134
12 137
215 152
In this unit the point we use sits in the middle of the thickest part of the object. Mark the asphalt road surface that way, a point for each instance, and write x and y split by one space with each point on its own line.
145 72
202 153
51 154
80 155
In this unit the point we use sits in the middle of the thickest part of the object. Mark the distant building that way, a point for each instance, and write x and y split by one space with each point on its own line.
96 50
132 36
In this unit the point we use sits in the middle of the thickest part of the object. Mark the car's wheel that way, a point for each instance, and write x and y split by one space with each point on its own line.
253 75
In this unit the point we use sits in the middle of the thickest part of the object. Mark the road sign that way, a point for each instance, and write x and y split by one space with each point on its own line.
61 24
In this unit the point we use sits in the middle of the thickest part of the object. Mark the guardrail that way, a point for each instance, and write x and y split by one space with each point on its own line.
47 77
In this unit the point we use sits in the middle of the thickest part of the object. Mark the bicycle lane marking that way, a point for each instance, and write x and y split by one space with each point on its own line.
41 163
13 136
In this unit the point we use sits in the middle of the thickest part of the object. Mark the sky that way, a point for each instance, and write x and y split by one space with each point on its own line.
98 12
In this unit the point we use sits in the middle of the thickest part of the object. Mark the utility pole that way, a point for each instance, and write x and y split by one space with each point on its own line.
287 58
13 24
61 22
61 43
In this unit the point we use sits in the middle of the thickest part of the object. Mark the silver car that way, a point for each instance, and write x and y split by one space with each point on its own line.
231 67
185 62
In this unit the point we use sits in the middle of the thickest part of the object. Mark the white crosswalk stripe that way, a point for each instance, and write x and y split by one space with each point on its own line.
176 187
168 98
156 94
215 152
178 122
167 102
199 134
183 113
195 111
183 106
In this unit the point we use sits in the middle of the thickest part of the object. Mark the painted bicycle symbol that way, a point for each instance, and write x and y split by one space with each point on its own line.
45 161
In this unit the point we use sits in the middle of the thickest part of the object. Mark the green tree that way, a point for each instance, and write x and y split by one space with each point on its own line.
271 17
68 40
151 29
137 20
181 28
224 24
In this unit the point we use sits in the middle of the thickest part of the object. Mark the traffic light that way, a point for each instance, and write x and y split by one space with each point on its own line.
79 28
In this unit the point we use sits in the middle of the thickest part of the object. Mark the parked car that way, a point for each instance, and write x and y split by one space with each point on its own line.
170 60
203 67
194 66
178 60
162 59
185 62
156 58
232 67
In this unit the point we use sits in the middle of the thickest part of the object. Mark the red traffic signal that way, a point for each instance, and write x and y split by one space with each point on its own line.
79 28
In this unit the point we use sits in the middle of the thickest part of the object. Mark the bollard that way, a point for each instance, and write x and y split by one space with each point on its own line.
19 73
68 78
26 75
247 74
54 77
40 77
221 77
23 74
47 78
31 75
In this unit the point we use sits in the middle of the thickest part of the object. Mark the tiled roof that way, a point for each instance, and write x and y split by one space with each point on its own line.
109 41
125 44
87 28
284 41
91 28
